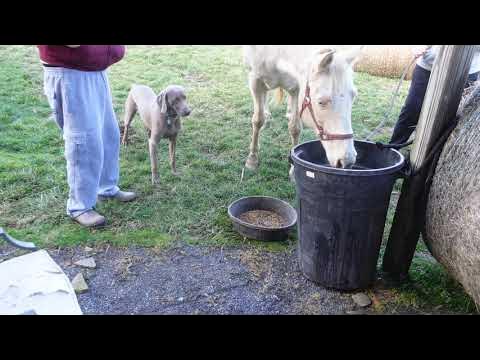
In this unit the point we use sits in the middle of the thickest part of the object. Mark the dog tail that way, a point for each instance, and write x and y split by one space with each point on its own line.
279 94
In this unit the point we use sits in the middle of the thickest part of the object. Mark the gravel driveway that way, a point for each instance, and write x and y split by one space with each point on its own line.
197 280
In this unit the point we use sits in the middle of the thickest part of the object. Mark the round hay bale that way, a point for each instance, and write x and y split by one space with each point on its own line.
386 60
453 209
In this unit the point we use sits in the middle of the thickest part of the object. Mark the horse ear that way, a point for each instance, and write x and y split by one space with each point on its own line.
353 55
324 59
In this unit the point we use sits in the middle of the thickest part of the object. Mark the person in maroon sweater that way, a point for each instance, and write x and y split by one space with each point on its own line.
78 91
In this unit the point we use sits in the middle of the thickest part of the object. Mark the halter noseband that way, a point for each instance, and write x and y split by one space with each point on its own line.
323 134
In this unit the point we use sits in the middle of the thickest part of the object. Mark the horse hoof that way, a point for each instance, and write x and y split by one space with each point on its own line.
251 164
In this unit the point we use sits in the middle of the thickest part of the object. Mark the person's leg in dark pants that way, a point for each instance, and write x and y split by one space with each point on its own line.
471 79
410 112
408 119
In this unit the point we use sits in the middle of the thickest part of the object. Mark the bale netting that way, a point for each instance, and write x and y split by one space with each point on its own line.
453 209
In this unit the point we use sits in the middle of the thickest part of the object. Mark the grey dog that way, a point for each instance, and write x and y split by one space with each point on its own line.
161 115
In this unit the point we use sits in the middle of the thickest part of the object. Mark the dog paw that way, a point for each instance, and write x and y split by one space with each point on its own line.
176 172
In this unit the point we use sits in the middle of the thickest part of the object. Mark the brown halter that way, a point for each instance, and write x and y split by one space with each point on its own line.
307 103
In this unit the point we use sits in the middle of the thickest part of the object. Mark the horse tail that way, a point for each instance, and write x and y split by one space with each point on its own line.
279 94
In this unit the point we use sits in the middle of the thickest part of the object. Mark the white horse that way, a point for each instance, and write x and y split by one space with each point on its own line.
319 80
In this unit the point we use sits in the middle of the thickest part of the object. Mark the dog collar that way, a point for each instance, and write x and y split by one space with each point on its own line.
170 116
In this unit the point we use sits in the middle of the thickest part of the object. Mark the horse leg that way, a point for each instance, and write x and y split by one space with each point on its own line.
259 92
294 125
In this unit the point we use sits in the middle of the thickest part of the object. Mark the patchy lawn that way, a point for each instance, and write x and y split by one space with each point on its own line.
211 151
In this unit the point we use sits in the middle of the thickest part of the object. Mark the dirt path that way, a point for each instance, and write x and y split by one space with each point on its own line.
196 280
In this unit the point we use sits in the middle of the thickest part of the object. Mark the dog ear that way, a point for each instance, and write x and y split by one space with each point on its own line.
162 101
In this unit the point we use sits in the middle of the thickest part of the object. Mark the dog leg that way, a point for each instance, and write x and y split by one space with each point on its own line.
152 147
172 148
130 111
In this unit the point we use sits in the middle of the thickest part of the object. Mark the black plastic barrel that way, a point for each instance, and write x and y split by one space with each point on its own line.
342 212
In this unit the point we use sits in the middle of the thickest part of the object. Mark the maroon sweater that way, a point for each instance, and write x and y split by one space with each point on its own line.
85 57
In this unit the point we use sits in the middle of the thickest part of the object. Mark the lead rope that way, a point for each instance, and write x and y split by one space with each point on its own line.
392 103
17 243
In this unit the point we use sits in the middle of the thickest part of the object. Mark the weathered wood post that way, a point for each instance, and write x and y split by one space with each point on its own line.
444 92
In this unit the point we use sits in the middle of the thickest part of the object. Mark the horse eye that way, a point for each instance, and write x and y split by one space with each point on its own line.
324 101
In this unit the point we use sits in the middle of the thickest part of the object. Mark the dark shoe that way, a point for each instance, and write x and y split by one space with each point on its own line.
90 219
123 196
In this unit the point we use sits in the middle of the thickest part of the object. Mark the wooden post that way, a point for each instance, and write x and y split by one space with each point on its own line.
444 92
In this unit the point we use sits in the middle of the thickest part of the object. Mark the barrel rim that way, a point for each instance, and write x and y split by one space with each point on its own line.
357 172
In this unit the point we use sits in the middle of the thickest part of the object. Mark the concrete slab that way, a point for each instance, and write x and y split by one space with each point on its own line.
35 284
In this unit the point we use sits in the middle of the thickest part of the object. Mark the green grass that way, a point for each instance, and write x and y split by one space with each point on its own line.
432 287
210 154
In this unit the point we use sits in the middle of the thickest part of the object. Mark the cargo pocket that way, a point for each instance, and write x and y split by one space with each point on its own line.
75 153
